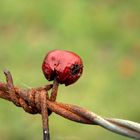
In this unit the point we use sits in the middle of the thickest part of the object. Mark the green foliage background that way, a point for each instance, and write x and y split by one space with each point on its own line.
105 33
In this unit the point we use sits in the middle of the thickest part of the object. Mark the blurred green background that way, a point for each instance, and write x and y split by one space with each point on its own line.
105 33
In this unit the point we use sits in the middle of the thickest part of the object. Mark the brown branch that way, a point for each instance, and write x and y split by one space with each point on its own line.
36 100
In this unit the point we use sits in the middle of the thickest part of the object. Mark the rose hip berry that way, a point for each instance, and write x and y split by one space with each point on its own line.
64 66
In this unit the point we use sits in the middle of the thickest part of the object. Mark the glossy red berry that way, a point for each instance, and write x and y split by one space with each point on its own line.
64 66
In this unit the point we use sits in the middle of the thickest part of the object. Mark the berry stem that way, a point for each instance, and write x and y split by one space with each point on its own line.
54 90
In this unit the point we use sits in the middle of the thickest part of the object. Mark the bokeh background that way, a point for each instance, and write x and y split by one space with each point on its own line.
105 33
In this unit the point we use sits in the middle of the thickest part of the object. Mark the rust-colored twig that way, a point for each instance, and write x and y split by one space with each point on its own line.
37 100
44 113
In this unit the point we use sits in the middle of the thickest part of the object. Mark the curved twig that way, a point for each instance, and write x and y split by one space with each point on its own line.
29 100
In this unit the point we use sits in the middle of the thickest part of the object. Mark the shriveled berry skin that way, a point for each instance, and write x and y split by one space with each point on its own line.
65 66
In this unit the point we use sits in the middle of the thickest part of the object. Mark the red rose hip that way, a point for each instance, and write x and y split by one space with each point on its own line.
64 66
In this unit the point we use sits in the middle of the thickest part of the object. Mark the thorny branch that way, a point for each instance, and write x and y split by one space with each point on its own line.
37 100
